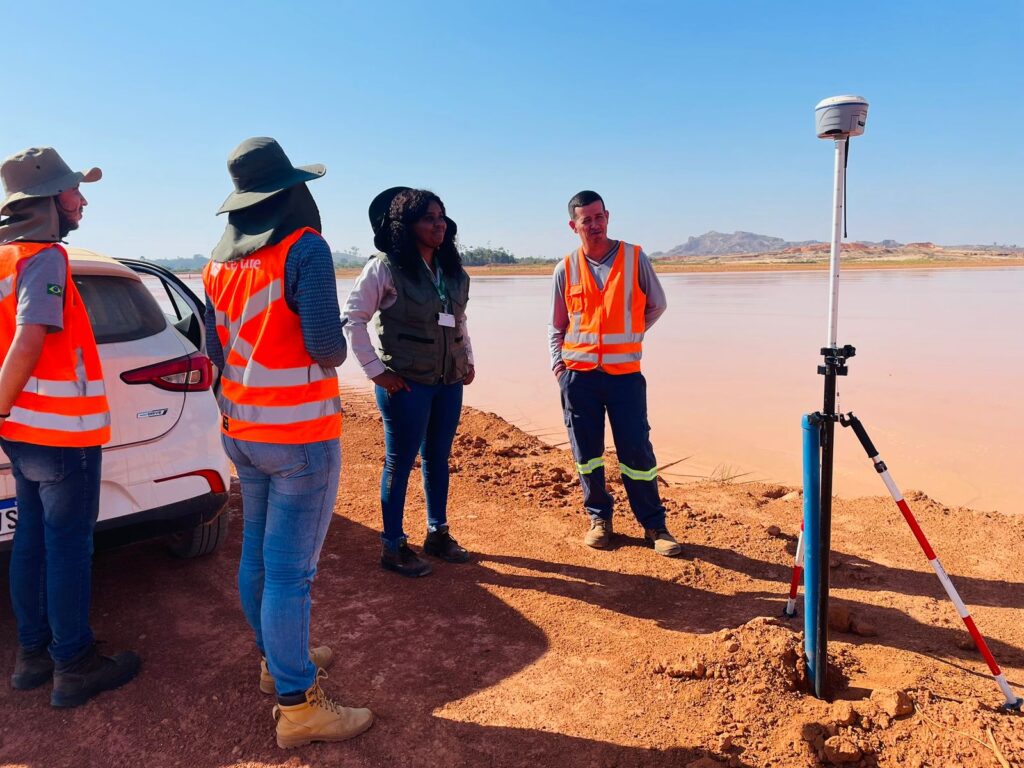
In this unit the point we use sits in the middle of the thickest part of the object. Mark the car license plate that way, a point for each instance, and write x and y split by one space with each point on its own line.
8 516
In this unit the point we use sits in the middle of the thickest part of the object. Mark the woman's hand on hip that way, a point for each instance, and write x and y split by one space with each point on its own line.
391 382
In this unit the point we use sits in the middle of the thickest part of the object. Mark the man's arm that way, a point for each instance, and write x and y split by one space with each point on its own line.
559 321
20 362
41 283
657 303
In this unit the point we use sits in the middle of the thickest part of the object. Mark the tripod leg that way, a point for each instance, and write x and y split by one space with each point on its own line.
1012 701
798 572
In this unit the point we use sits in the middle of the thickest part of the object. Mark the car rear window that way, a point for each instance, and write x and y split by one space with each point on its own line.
120 309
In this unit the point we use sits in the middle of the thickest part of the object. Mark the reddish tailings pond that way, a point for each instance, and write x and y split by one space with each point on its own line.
732 366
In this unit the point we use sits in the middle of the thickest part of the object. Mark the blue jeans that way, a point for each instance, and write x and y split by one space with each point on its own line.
288 494
586 396
58 491
422 421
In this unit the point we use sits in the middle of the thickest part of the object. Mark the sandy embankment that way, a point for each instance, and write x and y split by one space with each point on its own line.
543 652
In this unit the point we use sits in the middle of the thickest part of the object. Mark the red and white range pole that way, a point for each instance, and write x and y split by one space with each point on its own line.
1012 700
798 571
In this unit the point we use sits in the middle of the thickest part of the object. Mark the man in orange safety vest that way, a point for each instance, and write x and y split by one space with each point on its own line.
604 299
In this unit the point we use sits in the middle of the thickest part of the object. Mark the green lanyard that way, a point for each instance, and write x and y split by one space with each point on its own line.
438 283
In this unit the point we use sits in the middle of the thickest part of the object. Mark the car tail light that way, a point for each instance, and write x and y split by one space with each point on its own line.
191 373
211 476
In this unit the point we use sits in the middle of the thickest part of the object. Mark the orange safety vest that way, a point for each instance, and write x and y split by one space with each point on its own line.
271 390
606 327
63 403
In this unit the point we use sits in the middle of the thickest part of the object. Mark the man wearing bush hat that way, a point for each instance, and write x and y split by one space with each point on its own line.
53 419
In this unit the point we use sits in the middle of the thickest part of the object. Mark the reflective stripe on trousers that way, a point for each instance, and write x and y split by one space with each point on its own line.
590 466
638 474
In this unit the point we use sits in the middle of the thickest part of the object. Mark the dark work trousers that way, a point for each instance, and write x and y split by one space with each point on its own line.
586 396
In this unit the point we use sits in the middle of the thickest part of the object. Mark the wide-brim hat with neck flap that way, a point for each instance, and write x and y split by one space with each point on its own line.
39 172
380 207
260 169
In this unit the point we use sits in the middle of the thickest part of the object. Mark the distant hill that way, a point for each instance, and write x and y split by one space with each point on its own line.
748 249
721 244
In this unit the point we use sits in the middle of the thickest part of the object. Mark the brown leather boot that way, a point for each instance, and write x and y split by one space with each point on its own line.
600 534
662 541
321 656
318 718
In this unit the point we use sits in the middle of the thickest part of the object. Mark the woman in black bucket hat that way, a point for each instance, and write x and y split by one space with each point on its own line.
418 290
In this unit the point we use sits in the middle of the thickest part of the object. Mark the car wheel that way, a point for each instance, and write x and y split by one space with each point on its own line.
201 539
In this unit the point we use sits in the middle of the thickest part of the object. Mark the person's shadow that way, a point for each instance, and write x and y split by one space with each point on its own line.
423 654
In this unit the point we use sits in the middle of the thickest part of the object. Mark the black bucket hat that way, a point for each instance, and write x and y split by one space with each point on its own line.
380 207
260 169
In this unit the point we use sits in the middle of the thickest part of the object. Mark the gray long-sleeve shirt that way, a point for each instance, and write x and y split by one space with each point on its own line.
649 284
310 291
374 290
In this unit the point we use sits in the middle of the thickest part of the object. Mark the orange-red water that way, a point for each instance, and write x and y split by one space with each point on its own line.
732 366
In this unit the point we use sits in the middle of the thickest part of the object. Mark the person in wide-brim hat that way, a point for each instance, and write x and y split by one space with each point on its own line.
270 199
39 172
272 305
47 342
260 169
33 180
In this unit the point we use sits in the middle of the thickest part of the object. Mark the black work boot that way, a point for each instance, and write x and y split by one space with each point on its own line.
31 669
89 673
403 561
440 544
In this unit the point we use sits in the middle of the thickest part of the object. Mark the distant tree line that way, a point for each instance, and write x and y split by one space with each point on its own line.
475 256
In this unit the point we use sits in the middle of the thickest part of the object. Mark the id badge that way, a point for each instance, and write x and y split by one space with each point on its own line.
446 319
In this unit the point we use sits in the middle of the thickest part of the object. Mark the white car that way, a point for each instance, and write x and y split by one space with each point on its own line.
164 470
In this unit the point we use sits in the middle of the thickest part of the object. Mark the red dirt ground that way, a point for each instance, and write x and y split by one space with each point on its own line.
543 652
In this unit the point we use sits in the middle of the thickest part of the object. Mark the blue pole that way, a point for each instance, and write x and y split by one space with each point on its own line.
812 537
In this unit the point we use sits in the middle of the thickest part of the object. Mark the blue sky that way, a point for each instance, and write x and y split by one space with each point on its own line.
685 116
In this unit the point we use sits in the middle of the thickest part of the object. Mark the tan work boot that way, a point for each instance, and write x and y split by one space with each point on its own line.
600 534
321 656
662 541
318 719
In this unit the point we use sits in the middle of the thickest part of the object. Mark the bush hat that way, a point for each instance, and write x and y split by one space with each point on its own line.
260 169
39 172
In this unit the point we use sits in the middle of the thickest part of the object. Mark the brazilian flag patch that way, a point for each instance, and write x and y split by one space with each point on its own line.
54 290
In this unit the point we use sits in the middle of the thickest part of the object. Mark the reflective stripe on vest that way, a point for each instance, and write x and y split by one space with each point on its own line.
52 388
258 400
588 349
63 403
57 422
280 414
